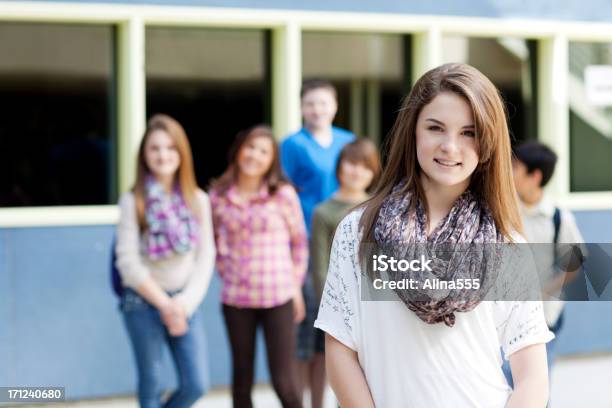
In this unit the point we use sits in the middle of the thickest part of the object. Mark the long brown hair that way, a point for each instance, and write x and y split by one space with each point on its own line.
492 179
186 175
274 177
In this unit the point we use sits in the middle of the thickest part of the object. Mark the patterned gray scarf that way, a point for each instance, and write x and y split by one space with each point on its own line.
455 248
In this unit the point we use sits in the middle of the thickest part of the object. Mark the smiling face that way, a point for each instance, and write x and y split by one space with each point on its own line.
319 108
161 154
255 156
447 150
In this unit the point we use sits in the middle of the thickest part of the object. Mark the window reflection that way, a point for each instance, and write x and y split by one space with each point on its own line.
214 81
370 71
58 129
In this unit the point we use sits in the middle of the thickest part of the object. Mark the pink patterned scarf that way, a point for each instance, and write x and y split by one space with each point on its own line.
456 248
172 228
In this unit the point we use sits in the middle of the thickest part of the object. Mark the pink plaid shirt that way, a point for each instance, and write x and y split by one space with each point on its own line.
262 247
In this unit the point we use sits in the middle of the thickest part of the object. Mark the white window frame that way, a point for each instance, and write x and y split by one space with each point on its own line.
287 27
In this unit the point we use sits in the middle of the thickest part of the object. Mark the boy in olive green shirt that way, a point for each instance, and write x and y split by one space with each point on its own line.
357 169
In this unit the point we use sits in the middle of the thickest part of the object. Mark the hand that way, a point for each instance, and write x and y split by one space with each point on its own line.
174 318
178 327
299 308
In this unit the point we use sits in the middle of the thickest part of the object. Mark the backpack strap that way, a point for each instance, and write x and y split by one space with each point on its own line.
557 224
116 283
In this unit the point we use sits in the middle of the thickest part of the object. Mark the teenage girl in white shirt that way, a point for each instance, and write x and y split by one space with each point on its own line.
447 179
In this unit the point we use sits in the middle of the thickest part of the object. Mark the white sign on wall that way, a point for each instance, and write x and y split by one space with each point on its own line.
598 83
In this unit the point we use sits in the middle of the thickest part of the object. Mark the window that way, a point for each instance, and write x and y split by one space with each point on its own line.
590 122
370 71
215 82
57 133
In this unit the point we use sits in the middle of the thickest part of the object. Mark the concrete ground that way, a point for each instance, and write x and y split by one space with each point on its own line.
581 381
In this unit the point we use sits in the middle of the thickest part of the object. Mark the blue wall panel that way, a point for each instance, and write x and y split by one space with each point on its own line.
595 226
589 324
568 10
6 307
61 325
480 8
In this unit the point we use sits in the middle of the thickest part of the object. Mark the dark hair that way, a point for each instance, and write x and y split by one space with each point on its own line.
537 156
361 151
492 179
312 84
274 177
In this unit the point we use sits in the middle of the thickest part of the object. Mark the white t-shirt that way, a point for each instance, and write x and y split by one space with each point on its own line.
409 363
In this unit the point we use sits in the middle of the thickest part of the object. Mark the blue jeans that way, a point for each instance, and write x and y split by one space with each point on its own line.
148 336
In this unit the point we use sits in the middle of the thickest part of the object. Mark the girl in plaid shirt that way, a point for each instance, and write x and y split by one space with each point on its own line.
262 255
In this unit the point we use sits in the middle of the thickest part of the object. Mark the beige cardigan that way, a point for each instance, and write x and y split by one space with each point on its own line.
190 273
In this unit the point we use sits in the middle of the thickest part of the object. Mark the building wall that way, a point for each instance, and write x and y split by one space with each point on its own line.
573 10
60 320
65 325
61 324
